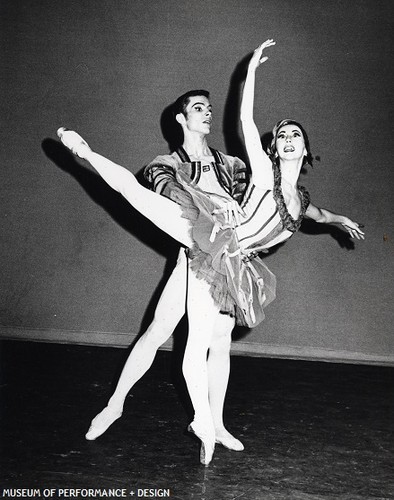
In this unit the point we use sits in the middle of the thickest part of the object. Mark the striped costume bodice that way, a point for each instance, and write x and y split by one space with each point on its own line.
266 221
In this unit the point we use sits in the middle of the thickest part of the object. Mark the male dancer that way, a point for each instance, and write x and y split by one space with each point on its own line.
223 176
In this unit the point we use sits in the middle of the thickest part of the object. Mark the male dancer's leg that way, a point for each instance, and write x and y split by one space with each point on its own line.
169 311
218 376
168 217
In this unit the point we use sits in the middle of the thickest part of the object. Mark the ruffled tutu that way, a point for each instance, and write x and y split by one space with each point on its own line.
240 285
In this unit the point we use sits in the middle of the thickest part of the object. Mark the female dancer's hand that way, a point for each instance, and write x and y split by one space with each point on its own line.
353 228
257 57
74 142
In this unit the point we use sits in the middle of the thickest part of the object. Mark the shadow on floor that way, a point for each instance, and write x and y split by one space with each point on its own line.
311 430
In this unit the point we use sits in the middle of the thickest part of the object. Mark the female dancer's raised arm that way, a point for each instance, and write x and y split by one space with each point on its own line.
163 212
260 163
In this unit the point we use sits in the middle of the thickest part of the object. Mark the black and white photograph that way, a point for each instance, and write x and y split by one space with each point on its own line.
197 249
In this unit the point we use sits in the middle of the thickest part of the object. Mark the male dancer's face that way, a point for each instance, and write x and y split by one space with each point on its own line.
198 115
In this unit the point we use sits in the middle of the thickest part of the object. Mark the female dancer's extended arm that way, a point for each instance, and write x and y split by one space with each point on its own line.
163 212
326 217
260 163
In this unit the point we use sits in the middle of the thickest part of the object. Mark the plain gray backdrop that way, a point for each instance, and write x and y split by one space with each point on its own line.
79 265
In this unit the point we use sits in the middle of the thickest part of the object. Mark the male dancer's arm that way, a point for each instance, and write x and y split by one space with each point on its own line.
161 175
240 179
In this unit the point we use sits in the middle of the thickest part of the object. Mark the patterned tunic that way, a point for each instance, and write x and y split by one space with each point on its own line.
225 253
227 234
162 173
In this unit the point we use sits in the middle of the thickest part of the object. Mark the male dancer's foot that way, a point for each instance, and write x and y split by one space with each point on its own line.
223 437
102 421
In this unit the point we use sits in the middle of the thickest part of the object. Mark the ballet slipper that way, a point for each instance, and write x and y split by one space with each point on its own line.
207 438
227 440
74 142
101 422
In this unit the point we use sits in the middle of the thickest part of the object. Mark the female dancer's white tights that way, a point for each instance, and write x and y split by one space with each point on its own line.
206 378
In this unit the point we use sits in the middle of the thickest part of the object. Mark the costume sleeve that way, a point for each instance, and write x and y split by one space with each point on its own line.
240 179
161 175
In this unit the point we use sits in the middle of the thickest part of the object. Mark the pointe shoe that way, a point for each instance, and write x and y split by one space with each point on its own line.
229 441
101 422
74 142
207 439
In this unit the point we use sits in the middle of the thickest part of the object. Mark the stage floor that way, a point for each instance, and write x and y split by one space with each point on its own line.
311 430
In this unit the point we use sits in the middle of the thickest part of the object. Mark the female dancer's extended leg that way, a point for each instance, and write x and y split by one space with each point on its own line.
202 310
164 213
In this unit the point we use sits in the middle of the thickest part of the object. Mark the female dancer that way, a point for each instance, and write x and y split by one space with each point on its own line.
223 239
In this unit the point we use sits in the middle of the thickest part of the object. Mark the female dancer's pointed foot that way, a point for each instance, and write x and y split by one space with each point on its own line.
227 440
206 435
74 142
101 422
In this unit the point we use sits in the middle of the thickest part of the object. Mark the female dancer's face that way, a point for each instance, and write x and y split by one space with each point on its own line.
290 143
199 115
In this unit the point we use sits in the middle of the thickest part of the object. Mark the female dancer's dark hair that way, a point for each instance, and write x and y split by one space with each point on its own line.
271 150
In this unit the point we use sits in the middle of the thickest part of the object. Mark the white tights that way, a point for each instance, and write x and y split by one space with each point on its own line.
203 376
209 330
209 333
